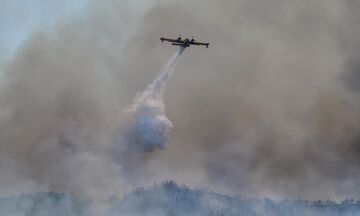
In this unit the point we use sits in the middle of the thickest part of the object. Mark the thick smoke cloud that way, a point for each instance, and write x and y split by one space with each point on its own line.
61 107
266 110
269 109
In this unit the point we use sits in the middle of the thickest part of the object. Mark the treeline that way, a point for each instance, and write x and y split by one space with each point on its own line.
168 198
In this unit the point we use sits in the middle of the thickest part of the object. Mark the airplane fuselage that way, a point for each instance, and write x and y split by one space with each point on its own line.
184 42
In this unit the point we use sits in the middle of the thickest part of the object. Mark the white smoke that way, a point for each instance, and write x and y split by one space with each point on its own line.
75 144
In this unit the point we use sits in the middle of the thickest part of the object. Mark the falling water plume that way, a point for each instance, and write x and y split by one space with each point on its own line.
149 125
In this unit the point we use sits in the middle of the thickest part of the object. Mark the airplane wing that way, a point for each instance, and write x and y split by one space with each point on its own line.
168 39
199 43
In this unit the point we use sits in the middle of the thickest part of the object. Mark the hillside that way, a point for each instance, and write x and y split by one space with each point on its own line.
172 199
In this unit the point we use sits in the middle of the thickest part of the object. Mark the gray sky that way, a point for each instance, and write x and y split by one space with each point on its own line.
18 19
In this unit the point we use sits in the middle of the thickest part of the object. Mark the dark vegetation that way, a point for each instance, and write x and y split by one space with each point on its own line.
169 198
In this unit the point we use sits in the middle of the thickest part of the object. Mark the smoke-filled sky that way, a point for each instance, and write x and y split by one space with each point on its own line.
270 109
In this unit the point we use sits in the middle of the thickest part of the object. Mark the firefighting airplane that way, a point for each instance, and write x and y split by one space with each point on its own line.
184 42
